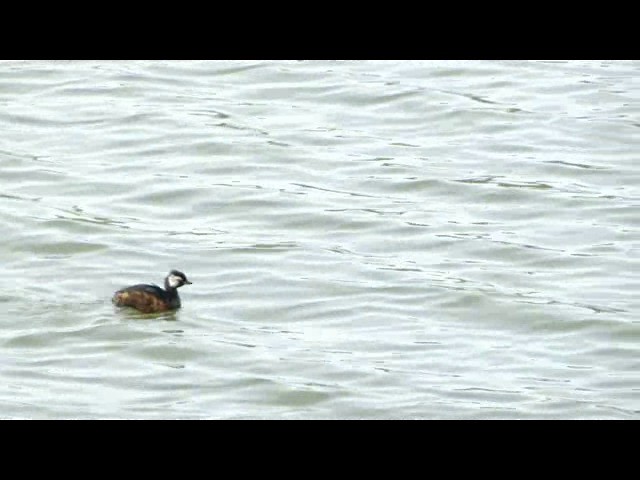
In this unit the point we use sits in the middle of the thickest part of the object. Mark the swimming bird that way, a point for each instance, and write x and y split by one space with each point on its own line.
152 298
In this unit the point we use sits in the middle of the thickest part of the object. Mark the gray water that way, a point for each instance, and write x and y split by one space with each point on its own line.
365 239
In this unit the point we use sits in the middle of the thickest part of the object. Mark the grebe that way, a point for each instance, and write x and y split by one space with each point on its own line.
152 298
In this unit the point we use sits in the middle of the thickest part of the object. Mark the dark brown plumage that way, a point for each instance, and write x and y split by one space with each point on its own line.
151 298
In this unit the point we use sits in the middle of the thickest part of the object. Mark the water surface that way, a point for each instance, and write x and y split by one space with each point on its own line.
365 239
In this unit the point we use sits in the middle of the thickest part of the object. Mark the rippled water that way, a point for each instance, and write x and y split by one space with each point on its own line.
365 239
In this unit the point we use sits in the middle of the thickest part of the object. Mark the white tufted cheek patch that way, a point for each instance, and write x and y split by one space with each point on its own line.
174 281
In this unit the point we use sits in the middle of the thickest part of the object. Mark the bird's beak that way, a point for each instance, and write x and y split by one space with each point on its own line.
188 282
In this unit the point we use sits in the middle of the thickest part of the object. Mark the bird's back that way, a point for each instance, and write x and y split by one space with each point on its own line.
146 298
